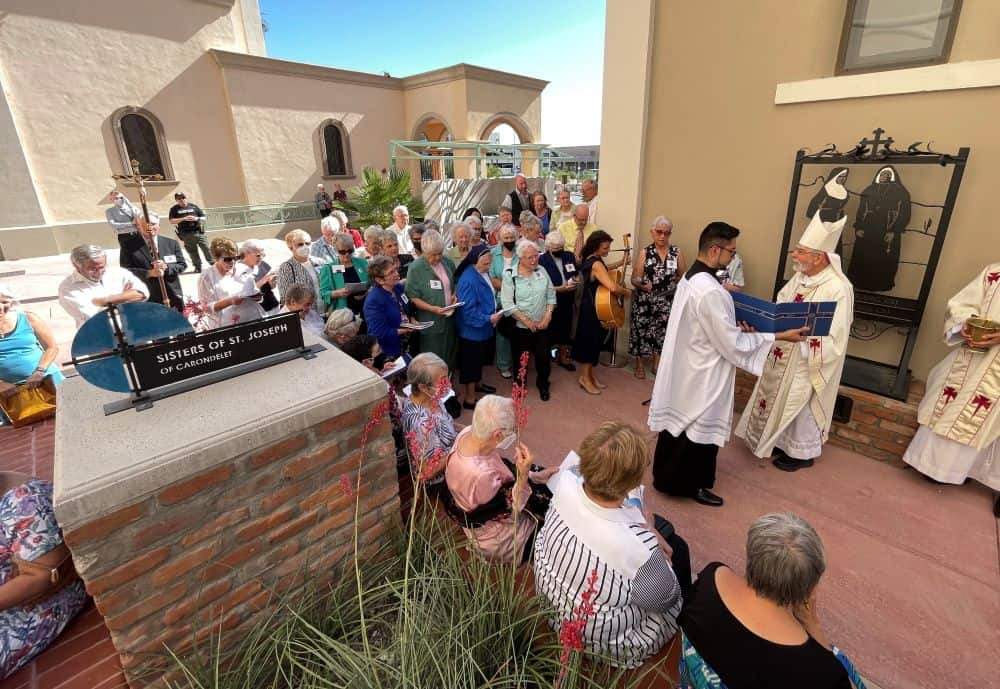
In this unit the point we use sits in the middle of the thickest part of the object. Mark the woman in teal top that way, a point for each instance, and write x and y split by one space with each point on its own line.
28 349
334 277
430 287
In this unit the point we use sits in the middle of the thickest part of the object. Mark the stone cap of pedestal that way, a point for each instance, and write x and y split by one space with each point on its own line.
103 463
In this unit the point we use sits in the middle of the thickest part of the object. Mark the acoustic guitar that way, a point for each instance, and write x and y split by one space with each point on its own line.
611 306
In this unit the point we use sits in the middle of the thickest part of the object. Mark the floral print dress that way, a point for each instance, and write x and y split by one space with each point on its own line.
28 530
651 310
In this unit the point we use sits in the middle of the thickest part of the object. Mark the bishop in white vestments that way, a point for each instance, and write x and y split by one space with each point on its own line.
692 404
959 421
791 408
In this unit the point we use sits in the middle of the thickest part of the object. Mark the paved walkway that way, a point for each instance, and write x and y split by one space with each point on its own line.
912 590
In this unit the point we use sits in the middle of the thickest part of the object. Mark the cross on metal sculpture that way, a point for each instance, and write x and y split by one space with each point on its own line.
137 179
875 144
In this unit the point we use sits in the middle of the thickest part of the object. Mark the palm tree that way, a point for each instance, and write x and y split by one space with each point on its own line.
374 200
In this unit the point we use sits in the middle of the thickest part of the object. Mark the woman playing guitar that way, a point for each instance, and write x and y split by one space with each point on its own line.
590 332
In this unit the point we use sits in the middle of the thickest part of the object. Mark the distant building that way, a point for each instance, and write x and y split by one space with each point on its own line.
583 158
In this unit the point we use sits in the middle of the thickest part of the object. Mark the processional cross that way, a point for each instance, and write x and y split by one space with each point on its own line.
138 180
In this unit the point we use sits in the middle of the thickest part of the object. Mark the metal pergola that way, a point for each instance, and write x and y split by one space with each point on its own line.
479 151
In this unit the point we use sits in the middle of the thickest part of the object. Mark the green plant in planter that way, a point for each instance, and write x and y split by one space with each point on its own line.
373 200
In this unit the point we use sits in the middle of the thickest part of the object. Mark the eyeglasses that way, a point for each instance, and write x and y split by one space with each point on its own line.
345 252
298 244
260 255
228 259
662 232
723 248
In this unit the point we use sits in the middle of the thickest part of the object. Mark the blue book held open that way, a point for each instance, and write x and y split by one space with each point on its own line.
768 317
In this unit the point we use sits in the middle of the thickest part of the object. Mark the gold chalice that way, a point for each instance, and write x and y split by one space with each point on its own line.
980 328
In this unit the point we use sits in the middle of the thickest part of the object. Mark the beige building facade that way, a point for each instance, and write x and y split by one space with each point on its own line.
706 104
233 127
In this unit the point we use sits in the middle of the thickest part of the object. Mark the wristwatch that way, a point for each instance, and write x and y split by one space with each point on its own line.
40 370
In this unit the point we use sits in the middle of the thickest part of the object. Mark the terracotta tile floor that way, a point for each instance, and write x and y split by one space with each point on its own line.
912 590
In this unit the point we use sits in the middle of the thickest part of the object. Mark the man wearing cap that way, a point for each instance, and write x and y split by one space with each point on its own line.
189 220
123 217
789 413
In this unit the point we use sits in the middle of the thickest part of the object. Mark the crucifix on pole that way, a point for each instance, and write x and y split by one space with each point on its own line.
138 180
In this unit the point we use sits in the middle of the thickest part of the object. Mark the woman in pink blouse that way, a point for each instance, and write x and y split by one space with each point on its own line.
486 489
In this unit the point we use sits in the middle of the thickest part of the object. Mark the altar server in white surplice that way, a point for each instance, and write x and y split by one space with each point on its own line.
791 408
959 421
692 404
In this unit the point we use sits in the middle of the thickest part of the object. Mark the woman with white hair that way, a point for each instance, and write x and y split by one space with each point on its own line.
373 241
28 349
431 288
486 490
656 270
252 262
344 283
301 269
504 217
528 294
229 294
504 258
341 326
563 272
428 426
762 629
462 237
323 248
531 229
340 215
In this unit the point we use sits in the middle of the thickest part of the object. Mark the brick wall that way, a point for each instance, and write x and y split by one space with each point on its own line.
214 550
880 428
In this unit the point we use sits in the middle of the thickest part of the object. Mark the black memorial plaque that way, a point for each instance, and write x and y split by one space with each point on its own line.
183 358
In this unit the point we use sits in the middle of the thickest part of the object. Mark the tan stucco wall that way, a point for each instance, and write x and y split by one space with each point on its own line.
486 99
103 55
717 147
277 118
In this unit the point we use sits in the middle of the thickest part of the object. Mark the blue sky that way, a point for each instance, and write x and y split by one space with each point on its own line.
562 42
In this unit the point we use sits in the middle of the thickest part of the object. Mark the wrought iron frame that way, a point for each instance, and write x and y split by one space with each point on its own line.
866 374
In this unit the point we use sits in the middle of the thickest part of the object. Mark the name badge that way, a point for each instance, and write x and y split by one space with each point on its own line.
570 268
671 264
403 298
169 258
436 284
338 268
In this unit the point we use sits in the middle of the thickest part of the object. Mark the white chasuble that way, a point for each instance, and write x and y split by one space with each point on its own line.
801 378
963 390
695 382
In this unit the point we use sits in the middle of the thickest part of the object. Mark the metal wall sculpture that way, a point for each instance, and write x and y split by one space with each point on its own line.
890 262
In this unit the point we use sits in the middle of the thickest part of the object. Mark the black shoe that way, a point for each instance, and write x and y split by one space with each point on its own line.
706 497
568 367
483 387
786 463
466 405
544 394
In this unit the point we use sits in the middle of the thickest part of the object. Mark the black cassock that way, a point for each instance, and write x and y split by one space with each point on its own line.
882 217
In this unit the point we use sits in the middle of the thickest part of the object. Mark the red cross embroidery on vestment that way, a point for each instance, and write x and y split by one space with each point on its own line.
981 402
762 405
949 393
800 297
992 277
777 355
814 343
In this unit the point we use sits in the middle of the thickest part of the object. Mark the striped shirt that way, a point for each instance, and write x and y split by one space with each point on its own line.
637 597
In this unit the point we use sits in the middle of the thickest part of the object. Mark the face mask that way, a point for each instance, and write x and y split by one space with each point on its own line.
509 246
302 251
416 245
507 442
119 202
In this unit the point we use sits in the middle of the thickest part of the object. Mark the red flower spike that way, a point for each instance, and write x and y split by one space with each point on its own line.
571 630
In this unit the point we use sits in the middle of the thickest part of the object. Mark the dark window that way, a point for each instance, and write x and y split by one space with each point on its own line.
139 137
336 161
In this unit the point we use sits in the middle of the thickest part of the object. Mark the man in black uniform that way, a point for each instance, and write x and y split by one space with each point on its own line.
189 218
171 264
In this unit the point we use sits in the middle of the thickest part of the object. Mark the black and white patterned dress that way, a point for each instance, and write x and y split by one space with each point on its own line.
651 310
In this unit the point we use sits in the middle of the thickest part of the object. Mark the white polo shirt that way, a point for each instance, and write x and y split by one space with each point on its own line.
76 292
403 238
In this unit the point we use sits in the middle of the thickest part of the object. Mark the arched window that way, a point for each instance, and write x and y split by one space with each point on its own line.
139 135
336 148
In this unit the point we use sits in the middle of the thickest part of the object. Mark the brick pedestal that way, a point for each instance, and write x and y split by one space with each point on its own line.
879 427
252 512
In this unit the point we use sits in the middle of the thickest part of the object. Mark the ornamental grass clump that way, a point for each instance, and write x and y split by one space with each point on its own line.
426 611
